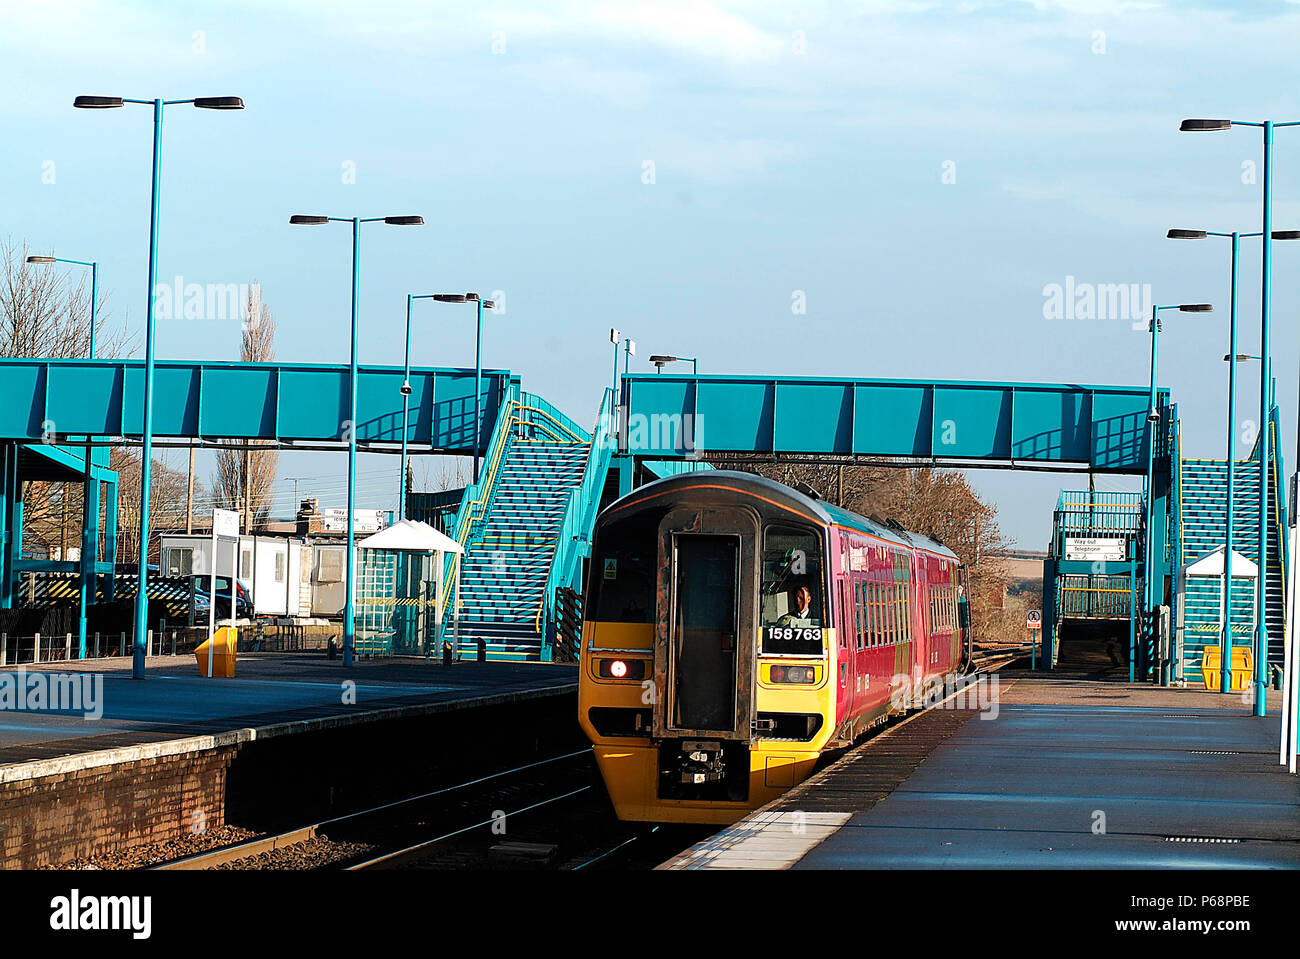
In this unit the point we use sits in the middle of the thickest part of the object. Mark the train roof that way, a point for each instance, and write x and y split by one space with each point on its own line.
784 495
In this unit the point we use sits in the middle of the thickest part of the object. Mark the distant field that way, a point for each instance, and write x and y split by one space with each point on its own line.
1023 569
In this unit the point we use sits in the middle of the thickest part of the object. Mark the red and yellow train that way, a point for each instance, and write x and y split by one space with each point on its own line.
736 629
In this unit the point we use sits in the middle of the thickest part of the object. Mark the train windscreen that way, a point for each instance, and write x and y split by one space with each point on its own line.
622 571
793 602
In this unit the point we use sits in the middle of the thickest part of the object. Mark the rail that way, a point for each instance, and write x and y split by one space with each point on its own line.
477 496
579 512
532 404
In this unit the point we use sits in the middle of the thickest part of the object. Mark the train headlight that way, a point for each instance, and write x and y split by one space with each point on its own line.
793 674
632 669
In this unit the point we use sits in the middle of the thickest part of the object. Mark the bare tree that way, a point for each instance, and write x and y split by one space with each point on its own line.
936 503
45 312
243 478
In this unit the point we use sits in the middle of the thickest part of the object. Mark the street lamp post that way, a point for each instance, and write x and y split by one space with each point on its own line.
1225 636
1267 127
146 453
406 398
89 549
349 591
478 361
629 351
660 361
613 338
1153 419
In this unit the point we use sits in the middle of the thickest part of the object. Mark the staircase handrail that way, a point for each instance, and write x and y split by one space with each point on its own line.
532 403
579 512
475 499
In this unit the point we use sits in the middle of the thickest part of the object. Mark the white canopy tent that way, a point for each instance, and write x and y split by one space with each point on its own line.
402 565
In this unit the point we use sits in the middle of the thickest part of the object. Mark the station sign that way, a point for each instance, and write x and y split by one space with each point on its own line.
225 524
363 520
1097 548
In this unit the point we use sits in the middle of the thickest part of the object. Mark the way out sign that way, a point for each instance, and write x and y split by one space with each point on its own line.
1034 620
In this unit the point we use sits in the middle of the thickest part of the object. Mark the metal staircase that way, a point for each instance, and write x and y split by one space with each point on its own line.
508 561
1203 491
509 523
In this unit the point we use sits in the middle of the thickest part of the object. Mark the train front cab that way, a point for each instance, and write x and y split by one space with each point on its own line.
706 692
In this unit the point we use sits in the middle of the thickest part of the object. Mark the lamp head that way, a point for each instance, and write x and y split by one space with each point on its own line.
97 103
299 219
41 259
219 103
1204 126
1186 235
1196 308
450 297
404 220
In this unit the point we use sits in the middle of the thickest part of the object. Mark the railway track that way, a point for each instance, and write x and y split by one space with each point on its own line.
365 836
548 814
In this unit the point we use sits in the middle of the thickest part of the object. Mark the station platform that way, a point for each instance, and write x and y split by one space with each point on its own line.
1058 773
142 762
271 694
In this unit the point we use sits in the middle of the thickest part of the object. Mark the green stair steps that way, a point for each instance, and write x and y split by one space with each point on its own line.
508 559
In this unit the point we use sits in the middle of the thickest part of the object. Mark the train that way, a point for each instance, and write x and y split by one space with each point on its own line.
736 630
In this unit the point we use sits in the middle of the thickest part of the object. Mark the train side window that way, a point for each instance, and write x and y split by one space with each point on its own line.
904 621
873 625
873 620
857 613
865 589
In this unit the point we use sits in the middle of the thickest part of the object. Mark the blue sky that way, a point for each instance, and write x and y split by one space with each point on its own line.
795 147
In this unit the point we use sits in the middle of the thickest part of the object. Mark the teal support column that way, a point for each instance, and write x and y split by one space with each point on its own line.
1132 618
626 467
13 528
1266 365
110 537
1049 615
1154 667
89 550
7 453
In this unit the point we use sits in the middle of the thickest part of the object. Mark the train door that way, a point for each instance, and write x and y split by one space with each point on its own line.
704 635
705 631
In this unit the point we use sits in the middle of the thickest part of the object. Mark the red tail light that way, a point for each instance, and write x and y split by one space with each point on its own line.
793 674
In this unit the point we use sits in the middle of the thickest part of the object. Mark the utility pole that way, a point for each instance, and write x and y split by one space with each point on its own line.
189 496
248 491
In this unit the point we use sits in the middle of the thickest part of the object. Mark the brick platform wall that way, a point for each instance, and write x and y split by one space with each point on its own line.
269 782
52 819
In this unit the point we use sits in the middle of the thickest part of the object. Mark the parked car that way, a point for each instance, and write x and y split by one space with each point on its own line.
243 600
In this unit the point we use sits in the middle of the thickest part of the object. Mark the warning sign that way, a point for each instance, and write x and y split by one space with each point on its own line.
1034 620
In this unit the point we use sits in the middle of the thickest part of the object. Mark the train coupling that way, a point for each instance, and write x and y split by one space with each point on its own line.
701 762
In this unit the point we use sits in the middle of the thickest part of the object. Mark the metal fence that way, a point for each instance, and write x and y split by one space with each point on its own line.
1094 596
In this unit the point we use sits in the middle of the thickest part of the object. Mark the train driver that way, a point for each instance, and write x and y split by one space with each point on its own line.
801 609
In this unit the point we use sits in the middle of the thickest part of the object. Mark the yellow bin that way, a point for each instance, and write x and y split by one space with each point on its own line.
1242 673
223 653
